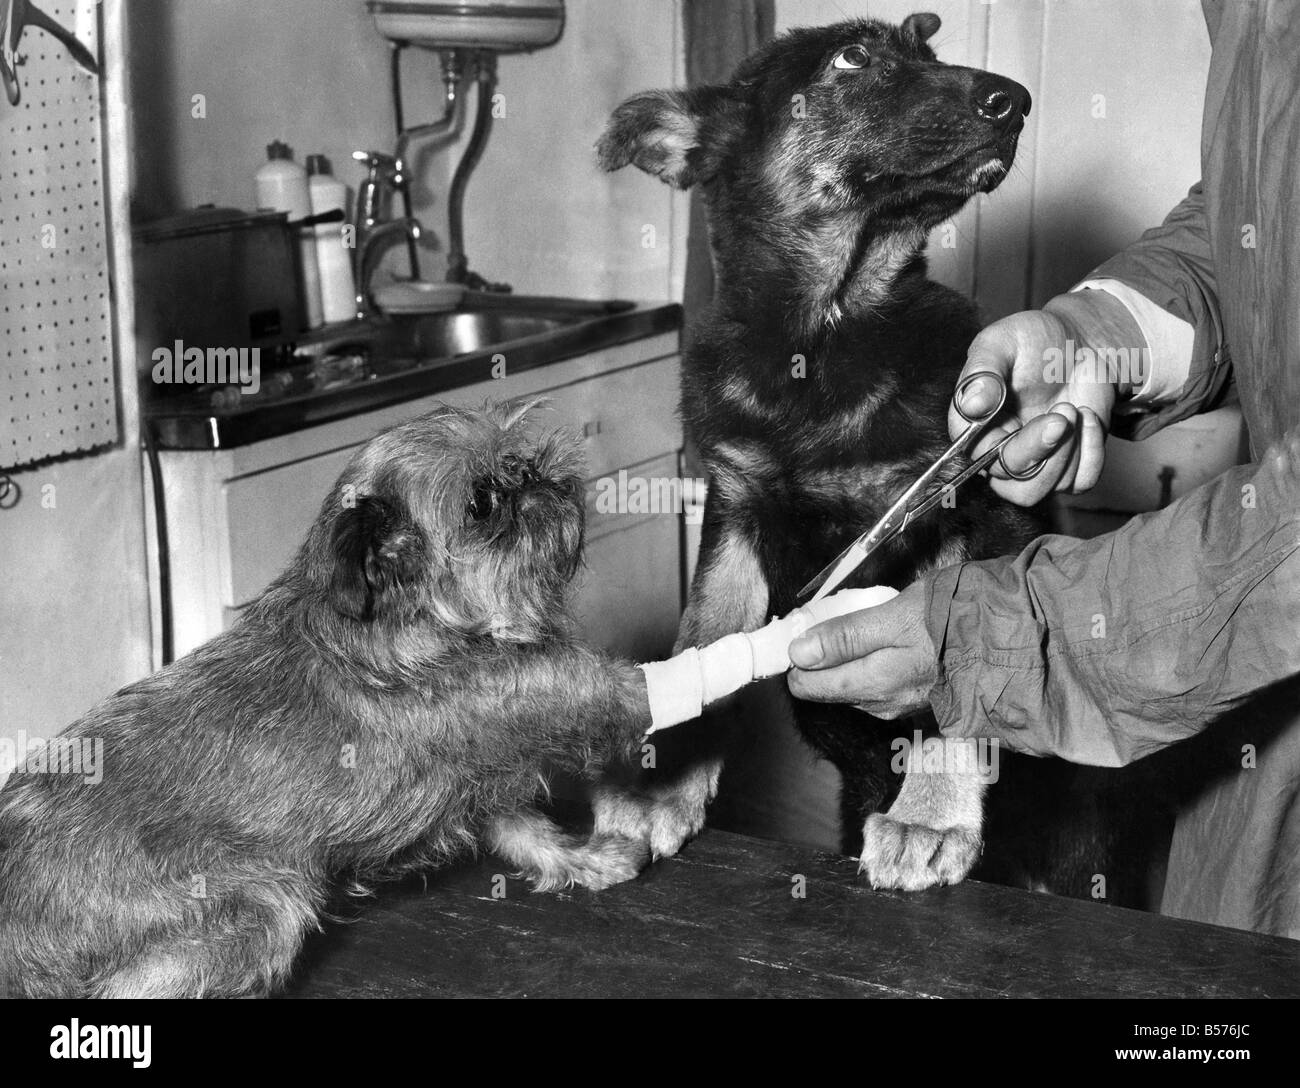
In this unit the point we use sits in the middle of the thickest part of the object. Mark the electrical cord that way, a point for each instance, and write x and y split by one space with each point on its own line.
164 554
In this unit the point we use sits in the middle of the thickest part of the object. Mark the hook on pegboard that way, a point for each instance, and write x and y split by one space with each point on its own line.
15 17
10 492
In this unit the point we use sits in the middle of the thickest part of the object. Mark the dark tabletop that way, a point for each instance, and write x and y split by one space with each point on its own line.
723 920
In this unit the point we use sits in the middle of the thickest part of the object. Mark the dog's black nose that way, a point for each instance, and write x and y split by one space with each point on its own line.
516 472
1002 101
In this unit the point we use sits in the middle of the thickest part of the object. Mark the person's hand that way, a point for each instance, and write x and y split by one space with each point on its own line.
882 659
1062 411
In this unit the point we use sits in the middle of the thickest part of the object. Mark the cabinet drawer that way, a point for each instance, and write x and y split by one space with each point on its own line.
622 418
269 515
628 598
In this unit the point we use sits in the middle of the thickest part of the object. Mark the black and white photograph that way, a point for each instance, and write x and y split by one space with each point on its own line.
650 499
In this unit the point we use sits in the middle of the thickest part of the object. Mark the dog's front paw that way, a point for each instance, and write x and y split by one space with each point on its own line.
619 859
601 862
674 821
912 857
666 821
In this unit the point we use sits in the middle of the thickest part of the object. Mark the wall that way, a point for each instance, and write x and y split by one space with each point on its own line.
1083 184
540 213
74 614
314 73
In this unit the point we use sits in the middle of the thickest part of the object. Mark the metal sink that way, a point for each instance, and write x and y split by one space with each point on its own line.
366 365
444 336
485 323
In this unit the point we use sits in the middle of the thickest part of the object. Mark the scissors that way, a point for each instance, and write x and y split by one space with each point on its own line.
15 17
908 508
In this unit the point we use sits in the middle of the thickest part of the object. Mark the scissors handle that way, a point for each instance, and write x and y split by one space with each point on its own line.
906 508
958 395
977 424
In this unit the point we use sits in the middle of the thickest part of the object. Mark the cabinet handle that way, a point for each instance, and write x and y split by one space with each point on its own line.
590 429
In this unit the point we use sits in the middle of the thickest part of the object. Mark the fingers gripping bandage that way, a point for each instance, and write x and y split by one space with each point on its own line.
681 687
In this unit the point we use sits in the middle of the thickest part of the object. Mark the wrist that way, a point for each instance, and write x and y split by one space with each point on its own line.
1097 320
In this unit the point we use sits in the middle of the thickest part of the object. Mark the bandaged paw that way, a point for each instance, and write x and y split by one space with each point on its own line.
681 687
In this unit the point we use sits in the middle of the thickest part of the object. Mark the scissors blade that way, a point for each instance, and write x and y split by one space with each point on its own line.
851 558
837 570
901 514
978 465
834 574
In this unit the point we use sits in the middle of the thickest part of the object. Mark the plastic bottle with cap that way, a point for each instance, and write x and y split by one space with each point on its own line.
282 187
337 289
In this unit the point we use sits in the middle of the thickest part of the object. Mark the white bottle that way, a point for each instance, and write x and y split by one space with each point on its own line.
338 291
282 187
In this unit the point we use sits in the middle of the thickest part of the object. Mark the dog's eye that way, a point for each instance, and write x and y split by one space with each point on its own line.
853 56
482 502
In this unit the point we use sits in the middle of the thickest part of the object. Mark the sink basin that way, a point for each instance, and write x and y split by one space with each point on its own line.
362 366
478 325
446 335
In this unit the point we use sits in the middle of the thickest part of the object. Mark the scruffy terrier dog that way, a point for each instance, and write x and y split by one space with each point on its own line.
816 387
386 705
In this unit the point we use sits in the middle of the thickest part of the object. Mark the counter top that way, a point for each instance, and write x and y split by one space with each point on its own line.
300 396
722 920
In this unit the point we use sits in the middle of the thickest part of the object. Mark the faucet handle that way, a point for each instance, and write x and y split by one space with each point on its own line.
375 162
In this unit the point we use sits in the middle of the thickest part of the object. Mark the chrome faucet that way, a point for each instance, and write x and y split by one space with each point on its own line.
389 174
384 175
369 247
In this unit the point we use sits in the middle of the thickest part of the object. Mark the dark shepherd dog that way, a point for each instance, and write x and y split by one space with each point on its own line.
816 388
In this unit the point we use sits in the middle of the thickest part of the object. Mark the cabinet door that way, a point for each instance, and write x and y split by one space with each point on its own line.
629 596
622 418
269 514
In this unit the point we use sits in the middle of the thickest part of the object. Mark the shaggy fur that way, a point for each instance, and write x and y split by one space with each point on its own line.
817 387
386 705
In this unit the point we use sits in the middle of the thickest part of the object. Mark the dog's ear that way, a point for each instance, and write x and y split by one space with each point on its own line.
921 27
661 132
376 550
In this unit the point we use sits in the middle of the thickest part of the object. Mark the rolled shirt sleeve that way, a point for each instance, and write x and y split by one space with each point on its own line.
1102 651
1172 266
1169 340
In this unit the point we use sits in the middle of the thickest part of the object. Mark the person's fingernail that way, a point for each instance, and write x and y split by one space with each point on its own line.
1055 429
806 651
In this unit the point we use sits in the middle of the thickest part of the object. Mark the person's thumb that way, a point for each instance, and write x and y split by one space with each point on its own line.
993 351
843 639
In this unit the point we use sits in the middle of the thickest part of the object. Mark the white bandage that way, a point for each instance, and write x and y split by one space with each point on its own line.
680 688
675 688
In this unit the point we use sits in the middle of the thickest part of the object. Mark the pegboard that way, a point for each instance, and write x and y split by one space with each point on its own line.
57 383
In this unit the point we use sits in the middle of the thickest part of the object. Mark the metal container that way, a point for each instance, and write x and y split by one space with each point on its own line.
217 278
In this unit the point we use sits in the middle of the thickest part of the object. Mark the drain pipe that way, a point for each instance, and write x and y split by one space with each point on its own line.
446 127
457 262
